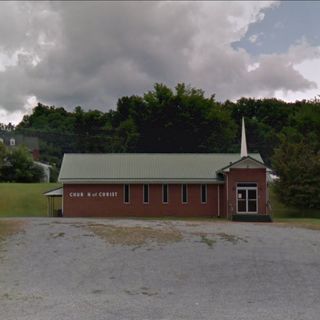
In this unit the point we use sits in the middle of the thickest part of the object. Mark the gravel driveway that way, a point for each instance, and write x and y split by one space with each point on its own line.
83 269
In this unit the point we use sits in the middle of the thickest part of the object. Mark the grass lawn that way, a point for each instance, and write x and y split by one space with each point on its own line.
306 223
290 216
24 199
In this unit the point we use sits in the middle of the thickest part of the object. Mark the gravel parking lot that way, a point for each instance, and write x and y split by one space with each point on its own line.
84 269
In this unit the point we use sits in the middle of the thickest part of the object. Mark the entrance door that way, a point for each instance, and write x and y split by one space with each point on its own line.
247 199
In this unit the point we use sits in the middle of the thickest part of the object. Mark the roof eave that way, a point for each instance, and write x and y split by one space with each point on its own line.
140 181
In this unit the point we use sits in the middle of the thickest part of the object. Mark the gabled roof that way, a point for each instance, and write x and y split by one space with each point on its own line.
58 192
256 162
146 167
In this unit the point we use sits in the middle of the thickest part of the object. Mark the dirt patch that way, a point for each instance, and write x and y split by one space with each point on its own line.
73 224
209 242
143 291
211 238
9 228
19 297
231 238
57 235
135 236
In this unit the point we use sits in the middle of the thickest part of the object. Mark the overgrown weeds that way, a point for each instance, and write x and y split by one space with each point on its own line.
9 228
136 235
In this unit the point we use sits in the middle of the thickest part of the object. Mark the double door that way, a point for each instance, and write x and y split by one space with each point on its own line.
247 198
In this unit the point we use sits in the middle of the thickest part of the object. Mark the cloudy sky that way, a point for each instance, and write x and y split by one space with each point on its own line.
90 54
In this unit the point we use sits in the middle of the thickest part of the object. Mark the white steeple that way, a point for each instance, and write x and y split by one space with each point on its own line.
244 150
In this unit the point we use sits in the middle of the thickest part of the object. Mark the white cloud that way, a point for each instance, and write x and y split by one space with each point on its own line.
90 54
253 38
253 66
308 69
16 116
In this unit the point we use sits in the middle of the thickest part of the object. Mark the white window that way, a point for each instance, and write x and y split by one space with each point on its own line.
12 142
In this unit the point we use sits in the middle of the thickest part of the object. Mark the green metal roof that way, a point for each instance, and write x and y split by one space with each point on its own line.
145 167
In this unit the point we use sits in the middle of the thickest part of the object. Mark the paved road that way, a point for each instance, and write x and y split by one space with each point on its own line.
81 269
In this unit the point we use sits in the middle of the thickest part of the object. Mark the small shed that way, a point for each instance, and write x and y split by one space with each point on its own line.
53 209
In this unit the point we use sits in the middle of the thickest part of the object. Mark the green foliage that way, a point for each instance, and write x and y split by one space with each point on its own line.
18 166
280 210
3 155
167 121
298 165
183 119
54 173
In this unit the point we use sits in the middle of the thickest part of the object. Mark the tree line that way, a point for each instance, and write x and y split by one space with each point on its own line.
183 119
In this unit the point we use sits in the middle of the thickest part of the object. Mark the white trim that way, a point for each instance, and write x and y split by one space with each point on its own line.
124 193
247 198
145 202
227 191
62 200
245 163
187 194
206 192
165 184
218 200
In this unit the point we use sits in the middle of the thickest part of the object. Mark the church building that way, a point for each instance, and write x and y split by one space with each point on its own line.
160 185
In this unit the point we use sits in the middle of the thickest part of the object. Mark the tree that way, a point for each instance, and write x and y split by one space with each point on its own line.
3 155
19 167
180 119
298 165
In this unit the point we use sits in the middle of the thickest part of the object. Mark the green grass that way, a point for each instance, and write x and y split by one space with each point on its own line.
306 223
24 199
294 217
281 211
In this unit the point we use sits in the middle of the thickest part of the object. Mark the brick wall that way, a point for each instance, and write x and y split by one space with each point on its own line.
246 175
106 200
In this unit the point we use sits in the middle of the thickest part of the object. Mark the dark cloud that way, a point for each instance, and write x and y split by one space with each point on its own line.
89 54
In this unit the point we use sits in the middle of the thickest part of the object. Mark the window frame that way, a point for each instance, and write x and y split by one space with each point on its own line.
206 193
124 194
143 193
182 194
165 202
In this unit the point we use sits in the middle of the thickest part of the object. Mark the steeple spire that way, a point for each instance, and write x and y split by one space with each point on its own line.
244 150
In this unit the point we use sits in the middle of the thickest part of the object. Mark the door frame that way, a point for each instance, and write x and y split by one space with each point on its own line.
247 199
